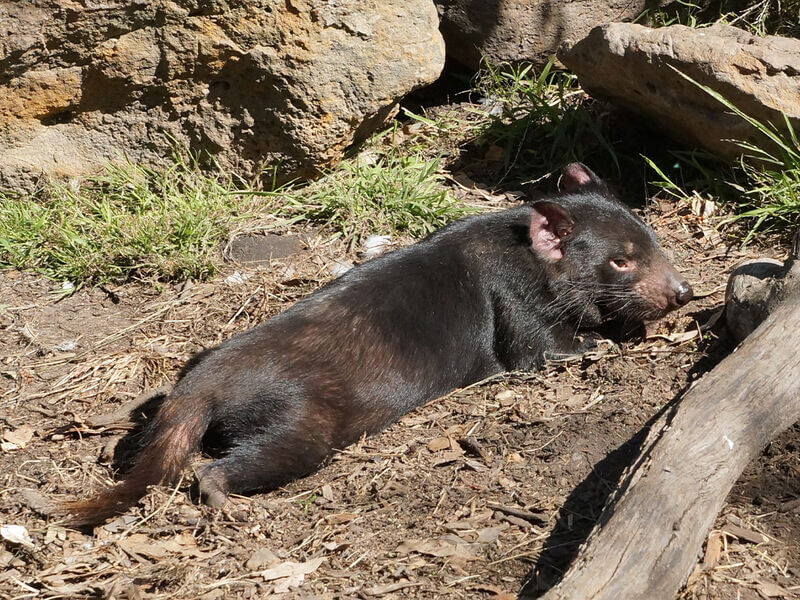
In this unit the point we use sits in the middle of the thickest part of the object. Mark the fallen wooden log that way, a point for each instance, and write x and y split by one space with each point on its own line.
650 533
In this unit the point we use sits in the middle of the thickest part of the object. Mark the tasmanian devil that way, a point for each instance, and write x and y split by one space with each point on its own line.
486 294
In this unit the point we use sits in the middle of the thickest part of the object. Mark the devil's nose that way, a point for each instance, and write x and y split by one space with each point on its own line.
683 293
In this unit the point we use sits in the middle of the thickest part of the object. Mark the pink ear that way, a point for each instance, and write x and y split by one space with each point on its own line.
550 223
575 176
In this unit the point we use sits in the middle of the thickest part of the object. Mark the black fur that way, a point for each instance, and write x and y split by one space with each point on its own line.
486 294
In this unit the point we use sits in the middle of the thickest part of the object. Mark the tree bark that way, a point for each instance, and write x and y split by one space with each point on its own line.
650 533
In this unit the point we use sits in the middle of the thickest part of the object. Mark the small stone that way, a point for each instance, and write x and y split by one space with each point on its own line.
506 397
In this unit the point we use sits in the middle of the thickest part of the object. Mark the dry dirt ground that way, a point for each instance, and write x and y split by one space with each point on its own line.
469 496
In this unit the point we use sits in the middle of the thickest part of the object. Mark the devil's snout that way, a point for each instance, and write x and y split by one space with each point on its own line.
683 292
664 289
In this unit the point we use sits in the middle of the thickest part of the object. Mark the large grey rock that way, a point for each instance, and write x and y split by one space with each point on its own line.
276 82
630 66
523 30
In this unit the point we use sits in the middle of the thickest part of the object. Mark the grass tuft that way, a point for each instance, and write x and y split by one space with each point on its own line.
542 121
130 222
760 17
134 222
384 194
762 189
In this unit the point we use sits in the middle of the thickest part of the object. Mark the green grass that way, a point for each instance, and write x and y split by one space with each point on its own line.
548 122
130 222
387 194
134 222
542 120
680 12
761 17
761 190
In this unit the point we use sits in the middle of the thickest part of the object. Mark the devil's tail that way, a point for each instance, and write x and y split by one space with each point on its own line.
173 436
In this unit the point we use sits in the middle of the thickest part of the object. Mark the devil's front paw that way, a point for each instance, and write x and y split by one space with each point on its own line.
580 345
586 342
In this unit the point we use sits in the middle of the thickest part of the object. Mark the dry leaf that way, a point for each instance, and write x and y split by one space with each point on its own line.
68 590
16 534
261 558
694 576
17 439
439 443
290 574
340 518
291 568
703 207
475 465
183 543
335 546
445 546
772 590
448 457
171 546
487 535
139 543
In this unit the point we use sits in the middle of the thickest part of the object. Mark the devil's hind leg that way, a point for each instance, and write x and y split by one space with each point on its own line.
259 465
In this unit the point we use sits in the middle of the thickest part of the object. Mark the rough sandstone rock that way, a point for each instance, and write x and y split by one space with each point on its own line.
523 30
257 82
629 65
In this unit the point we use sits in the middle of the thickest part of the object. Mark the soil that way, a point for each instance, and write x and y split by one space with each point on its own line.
474 495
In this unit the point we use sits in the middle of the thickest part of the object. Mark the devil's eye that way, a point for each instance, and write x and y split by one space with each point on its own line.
621 264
